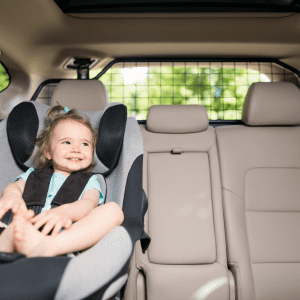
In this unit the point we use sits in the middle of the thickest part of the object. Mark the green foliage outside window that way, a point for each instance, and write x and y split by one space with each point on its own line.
4 78
221 90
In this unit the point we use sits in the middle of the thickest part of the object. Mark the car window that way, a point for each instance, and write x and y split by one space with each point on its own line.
220 87
4 78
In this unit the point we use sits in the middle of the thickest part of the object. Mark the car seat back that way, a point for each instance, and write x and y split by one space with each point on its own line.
260 170
84 95
187 256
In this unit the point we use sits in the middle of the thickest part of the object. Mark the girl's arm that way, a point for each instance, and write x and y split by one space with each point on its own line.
12 197
80 208
65 215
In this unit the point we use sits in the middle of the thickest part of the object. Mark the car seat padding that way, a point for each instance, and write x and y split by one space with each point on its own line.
110 136
132 204
22 128
32 278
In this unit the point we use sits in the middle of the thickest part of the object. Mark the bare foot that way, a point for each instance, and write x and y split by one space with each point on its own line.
7 239
7 236
28 240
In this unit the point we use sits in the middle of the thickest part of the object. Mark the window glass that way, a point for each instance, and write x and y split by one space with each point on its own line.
4 78
220 87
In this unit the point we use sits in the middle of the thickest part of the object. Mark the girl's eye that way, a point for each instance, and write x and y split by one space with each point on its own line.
66 142
85 144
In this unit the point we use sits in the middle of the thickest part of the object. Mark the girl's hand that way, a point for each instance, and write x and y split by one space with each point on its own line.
55 219
12 198
7 203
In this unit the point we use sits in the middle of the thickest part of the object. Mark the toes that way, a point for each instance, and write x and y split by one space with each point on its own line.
18 227
18 237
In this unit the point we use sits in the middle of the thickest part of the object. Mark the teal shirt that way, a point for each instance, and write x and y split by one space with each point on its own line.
57 181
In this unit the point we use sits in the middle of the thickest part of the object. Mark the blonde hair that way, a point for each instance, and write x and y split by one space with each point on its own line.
55 116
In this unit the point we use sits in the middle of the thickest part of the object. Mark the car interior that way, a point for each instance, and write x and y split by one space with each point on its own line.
198 109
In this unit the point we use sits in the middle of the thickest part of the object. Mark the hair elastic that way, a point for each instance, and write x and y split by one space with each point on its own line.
66 110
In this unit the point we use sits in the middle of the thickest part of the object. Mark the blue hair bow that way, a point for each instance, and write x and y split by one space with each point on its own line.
66 110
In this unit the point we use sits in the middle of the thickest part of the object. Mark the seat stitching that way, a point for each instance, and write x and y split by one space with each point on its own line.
233 193
134 284
238 282
221 264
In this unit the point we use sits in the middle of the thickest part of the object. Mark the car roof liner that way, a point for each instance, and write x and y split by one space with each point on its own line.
140 6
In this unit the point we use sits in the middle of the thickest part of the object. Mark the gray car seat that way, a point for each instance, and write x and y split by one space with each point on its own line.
101 271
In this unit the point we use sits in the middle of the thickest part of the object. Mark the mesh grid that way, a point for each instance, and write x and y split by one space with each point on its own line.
45 94
220 86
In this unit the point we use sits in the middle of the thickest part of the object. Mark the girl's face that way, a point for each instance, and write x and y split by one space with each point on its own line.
71 147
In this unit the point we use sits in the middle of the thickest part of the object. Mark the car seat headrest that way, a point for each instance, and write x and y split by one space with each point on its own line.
83 95
22 128
27 119
272 103
177 118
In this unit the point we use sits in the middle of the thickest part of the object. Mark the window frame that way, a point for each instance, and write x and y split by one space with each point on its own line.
213 123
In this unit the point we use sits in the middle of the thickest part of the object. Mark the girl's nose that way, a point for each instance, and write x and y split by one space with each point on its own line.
75 148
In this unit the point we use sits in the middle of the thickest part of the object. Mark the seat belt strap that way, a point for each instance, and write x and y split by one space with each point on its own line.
37 185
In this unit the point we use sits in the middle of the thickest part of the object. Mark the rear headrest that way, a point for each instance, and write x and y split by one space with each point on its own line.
28 119
177 118
272 103
83 95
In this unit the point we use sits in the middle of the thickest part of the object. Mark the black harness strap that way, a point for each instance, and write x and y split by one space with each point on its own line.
72 188
37 185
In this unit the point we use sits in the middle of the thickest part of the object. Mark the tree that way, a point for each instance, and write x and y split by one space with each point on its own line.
4 78
221 90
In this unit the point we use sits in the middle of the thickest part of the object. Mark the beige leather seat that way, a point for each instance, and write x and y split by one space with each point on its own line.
186 259
260 170
84 95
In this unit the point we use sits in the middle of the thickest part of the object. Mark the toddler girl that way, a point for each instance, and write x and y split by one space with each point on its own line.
66 146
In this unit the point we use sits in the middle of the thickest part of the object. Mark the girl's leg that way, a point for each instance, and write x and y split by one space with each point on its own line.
81 235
